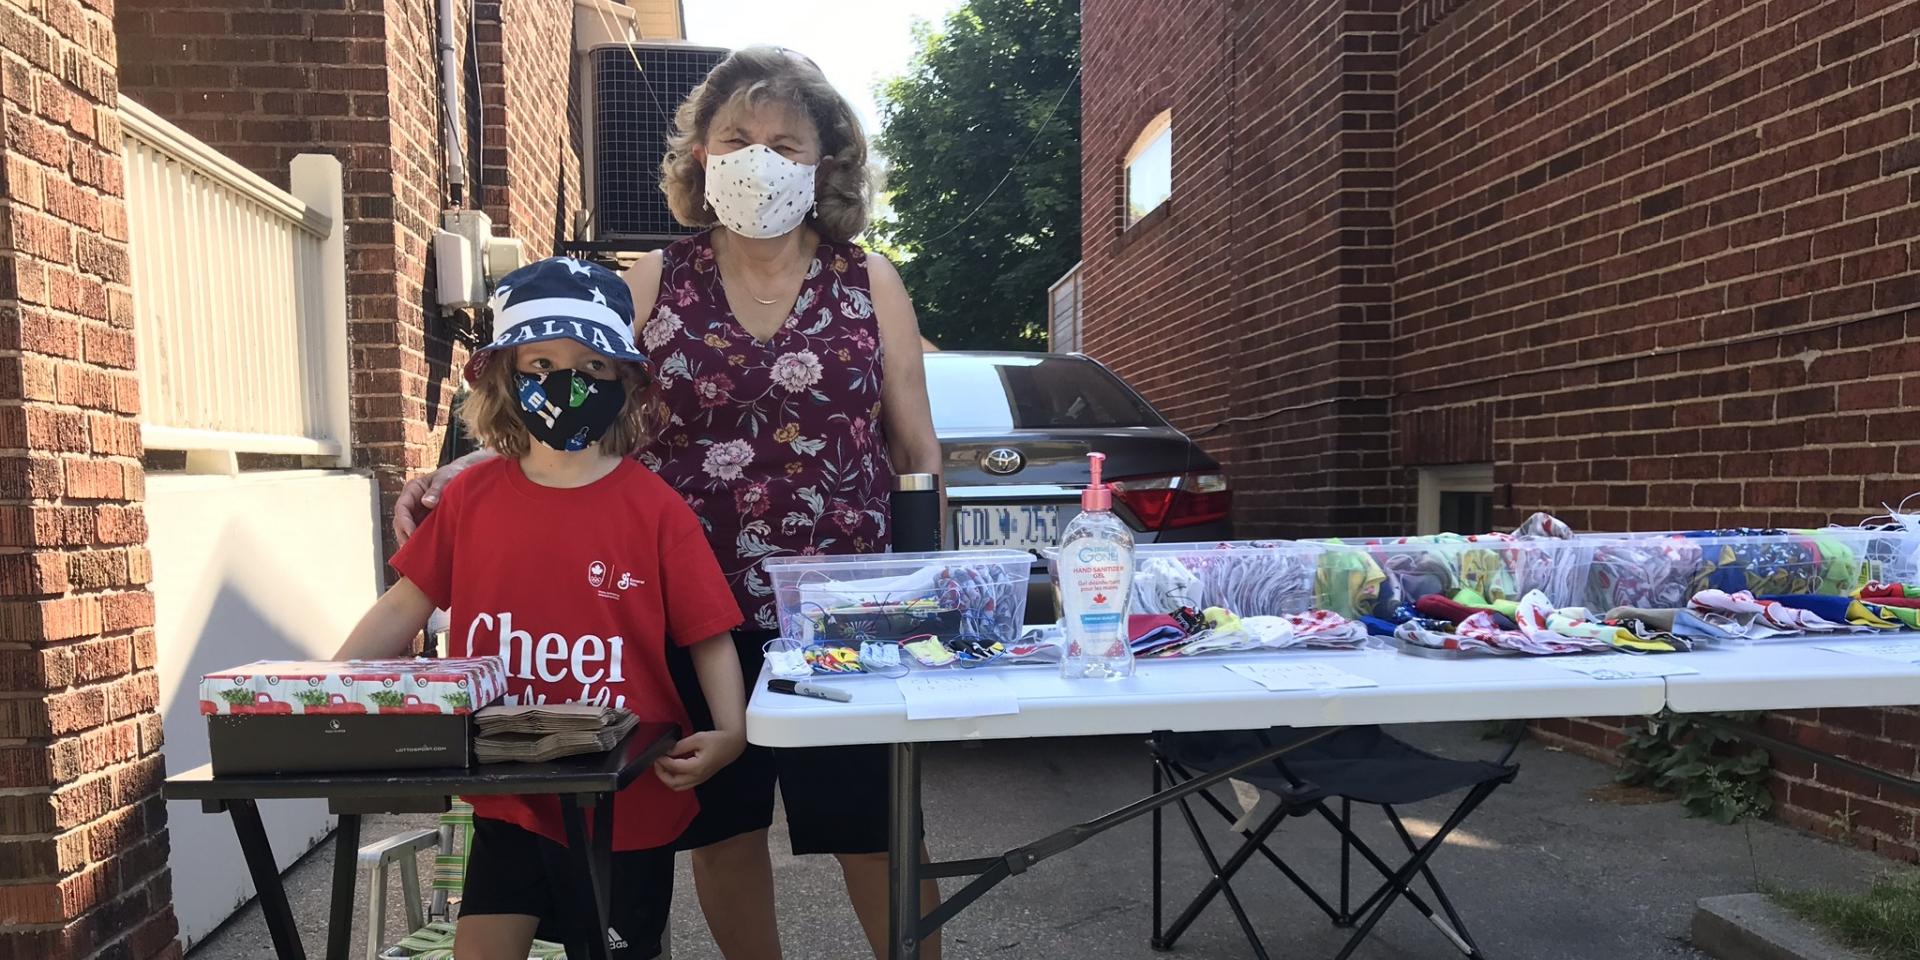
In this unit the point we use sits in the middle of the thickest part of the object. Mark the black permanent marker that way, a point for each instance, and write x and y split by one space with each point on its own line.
807 688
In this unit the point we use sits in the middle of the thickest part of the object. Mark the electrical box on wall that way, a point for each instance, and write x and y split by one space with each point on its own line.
504 256
460 255
455 269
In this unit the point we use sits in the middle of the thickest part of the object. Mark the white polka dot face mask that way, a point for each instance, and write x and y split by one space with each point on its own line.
758 193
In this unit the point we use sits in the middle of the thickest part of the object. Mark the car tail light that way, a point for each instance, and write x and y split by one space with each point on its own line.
1168 503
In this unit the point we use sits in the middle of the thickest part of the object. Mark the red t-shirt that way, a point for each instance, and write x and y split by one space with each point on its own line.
578 591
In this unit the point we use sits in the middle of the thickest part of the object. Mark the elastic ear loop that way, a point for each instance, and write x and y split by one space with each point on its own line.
840 669
919 638
966 662
879 667
786 658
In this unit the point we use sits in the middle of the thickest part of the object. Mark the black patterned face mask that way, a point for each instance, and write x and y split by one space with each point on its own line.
569 410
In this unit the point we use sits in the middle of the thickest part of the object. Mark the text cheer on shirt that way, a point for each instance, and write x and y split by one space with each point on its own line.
578 591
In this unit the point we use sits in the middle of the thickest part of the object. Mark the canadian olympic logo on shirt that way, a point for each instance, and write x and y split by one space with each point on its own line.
596 574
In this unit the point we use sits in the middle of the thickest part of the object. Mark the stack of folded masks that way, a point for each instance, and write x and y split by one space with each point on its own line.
534 733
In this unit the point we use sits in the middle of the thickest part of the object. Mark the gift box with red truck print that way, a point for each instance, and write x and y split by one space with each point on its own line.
297 716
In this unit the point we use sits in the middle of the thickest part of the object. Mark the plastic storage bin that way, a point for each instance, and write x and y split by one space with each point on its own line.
1248 577
1376 577
1663 570
891 596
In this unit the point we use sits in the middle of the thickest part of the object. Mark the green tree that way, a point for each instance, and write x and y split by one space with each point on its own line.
982 140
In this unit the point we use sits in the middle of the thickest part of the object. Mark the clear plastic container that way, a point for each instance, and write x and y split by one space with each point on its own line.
1247 577
892 596
1662 570
1599 571
1401 570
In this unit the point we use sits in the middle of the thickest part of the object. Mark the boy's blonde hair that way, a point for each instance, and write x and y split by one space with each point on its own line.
757 75
491 410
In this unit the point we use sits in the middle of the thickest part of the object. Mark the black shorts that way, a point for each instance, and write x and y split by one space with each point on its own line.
835 797
507 873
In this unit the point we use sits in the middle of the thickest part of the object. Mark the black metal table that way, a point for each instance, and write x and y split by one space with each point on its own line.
585 785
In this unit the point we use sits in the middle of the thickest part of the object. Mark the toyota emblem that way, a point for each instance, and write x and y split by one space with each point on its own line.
1002 461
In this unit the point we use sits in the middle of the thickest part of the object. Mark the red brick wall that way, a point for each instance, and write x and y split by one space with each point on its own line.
1670 245
1166 280
1271 266
1665 252
83 838
1654 259
542 148
360 79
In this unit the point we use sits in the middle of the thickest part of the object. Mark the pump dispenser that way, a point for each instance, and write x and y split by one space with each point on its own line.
1095 566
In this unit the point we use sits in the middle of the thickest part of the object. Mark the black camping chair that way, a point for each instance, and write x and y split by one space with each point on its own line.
1354 765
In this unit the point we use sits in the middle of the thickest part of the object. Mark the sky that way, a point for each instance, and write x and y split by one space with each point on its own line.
858 43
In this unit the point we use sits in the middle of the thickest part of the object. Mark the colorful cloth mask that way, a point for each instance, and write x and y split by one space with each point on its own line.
1757 561
568 410
1744 608
1347 582
1656 574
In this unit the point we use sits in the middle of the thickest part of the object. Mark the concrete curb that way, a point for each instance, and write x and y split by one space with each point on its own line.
1750 926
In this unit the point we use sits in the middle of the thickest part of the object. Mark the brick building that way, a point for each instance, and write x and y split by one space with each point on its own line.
84 847
1646 264
359 80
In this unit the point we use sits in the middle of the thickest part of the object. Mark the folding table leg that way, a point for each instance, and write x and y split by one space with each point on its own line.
589 885
903 855
1158 906
346 856
602 850
266 880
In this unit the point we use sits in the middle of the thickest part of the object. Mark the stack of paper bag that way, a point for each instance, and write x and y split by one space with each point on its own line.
534 733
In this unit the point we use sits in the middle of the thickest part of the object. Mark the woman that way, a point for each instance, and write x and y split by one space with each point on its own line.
789 360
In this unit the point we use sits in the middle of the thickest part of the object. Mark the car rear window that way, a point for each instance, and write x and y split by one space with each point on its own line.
985 394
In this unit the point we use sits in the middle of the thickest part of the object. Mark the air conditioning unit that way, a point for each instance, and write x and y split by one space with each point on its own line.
633 90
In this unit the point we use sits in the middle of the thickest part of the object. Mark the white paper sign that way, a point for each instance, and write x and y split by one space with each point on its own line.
1623 666
1899 651
1300 676
945 696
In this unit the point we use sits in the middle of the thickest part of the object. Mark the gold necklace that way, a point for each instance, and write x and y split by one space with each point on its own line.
763 301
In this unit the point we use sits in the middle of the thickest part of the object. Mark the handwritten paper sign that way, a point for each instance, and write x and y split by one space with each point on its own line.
1899 651
1300 676
1623 666
946 696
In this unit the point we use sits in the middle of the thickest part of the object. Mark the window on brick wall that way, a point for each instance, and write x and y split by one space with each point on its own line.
1456 499
1149 166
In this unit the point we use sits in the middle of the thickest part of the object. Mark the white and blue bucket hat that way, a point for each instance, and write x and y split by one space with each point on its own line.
561 298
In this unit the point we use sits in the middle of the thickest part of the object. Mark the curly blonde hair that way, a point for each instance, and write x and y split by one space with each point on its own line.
757 75
491 411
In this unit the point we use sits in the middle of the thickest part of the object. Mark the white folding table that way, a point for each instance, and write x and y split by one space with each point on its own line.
1191 695
1202 694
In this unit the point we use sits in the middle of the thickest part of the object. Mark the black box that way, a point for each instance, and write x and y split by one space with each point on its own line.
338 743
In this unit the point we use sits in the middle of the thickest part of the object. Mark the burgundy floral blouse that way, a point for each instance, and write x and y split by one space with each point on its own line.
777 446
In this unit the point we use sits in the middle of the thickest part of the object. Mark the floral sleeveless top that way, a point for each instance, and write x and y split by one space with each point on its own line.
777 446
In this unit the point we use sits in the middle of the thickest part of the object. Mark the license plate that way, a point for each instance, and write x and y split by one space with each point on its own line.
1020 528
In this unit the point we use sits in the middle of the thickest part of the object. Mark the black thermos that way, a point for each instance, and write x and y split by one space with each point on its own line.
916 513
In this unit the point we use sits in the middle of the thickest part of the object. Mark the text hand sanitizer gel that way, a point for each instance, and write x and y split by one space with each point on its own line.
1096 580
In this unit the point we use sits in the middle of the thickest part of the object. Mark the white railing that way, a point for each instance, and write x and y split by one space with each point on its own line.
239 295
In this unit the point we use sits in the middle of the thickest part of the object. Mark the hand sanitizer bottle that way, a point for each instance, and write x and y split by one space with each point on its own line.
1096 581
